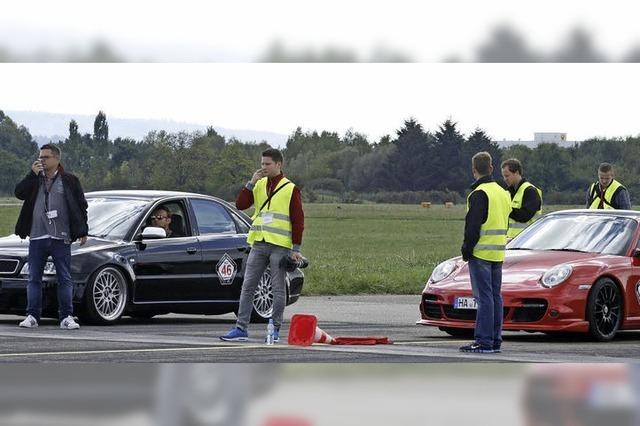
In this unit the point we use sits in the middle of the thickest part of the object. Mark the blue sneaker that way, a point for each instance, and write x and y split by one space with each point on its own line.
235 335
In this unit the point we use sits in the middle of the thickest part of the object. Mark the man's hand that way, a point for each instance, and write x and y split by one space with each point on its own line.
259 174
296 255
36 167
82 240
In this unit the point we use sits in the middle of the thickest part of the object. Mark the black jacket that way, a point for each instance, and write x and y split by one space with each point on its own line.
531 203
27 190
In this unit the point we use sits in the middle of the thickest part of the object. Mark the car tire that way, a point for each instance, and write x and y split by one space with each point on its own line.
604 310
106 296
263 298
458 332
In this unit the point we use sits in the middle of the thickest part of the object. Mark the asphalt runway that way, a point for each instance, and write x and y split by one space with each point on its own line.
193 338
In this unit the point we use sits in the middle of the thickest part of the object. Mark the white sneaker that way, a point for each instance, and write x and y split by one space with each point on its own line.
29 322
69 323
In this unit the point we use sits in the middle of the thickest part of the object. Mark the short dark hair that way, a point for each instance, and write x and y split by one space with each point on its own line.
274 154
57 152
605 167
482 163
513 164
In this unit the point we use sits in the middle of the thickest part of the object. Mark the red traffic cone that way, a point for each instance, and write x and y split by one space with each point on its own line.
321 336
304 331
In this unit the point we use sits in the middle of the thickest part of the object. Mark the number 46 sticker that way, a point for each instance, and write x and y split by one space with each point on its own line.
226 269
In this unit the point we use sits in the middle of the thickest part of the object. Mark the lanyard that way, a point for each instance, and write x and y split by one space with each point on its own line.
47 191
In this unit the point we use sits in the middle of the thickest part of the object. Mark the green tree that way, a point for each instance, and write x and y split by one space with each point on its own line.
410 166
479 141
16 139
100 127
451 169
12 170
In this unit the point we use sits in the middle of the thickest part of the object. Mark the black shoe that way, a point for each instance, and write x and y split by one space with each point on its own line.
476 347
496 349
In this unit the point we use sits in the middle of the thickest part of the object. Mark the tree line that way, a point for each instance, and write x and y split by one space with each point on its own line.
411 165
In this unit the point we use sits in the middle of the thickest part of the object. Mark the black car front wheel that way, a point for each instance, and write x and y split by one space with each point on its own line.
106 296
604 310
263 298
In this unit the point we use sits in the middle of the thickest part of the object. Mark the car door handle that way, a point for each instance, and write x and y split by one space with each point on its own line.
192 250
244 249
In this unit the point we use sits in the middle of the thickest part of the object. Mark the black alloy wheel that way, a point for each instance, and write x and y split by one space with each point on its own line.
604 310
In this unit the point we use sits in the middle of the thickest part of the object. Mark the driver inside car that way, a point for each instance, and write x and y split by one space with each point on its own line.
161 218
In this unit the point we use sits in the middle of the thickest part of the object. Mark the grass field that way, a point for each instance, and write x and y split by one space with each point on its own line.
365 248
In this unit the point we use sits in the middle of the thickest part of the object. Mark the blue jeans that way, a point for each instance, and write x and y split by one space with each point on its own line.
262 255
486 280
60 252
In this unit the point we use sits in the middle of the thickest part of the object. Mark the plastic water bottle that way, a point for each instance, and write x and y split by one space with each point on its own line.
271 329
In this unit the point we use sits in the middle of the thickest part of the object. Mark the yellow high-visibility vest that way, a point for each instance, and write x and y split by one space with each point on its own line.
493 233
516 227
272 224
608 195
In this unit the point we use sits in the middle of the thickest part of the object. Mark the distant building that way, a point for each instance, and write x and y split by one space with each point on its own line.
538 138
549 137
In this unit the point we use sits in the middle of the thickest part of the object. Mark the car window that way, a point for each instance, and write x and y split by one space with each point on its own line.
243 228
213 218
112 218
579 232
177 222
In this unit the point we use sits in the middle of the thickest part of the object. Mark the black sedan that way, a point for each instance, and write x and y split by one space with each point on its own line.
129 267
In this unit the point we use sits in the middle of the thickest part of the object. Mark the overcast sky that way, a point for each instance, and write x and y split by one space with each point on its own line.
242 30
508 101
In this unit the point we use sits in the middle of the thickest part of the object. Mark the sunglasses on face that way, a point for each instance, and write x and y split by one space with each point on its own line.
159 217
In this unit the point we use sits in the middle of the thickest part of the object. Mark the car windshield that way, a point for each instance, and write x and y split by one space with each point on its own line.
112 218
578 232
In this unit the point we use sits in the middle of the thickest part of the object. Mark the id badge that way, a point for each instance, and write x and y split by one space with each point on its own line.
52 214
267 218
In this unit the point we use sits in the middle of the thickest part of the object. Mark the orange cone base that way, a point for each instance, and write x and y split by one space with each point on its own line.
366 340
302 329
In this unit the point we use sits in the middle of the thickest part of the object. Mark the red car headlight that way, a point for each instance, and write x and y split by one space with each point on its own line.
556 275
442 271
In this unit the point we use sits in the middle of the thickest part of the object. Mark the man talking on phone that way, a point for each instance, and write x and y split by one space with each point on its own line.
53 215
276 232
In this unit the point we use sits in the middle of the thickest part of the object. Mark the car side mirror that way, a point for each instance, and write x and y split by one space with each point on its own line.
153 233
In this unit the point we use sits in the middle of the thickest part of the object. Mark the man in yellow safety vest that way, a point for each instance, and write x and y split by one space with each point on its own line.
276 232
526 199
607 193
485 237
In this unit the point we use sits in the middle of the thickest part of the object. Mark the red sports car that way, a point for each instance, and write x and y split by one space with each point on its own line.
571 271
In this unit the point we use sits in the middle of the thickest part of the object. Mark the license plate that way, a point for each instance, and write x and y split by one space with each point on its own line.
465 303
